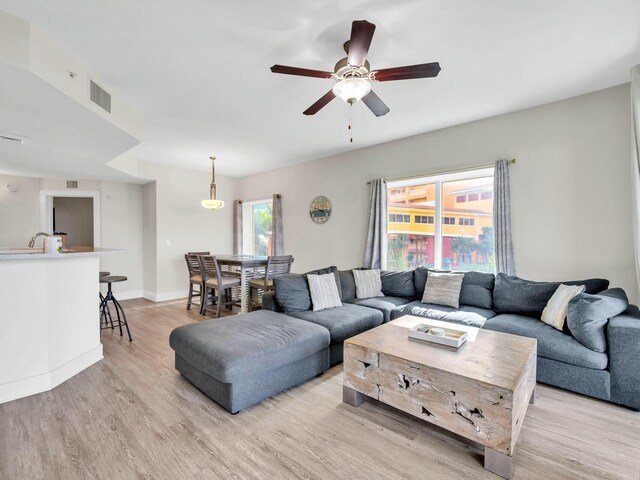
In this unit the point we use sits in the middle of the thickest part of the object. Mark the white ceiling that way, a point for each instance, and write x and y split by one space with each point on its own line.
198 70
62 138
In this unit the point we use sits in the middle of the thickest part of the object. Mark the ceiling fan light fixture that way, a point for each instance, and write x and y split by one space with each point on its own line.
352 89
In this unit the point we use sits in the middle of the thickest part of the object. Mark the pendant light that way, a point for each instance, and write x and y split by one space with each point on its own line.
212 203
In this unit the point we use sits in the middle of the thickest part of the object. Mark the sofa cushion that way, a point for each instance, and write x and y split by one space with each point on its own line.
420 281
552 343
385 304
343 322
516 295
292 292
347 284
233 348
398 284
466 314
587 316
477 289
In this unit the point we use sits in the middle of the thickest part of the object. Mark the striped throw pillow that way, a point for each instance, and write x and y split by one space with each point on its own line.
324 291
368 283
443 289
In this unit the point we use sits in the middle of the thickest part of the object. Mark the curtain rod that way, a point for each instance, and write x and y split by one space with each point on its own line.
443 172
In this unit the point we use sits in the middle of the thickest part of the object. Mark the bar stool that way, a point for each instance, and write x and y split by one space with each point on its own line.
105 313
100 275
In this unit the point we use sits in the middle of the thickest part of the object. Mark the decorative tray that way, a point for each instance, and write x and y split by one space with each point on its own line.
442 336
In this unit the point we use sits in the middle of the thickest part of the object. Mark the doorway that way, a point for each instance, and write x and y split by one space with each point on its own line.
76 213
73 217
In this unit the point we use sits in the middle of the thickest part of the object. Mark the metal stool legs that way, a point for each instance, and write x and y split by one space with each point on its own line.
105 313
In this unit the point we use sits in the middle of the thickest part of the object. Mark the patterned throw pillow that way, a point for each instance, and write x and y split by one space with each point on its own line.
443 289
368 283
324 291
555 313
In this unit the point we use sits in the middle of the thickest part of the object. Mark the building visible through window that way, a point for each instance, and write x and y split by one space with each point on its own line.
443 222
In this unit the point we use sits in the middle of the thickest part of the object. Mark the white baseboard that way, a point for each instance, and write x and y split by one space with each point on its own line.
164 296
47 381
128 295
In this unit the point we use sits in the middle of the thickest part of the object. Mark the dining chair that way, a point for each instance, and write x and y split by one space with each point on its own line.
214 280
195 277
276 265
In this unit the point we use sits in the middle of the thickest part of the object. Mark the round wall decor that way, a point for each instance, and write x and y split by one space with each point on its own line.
320 209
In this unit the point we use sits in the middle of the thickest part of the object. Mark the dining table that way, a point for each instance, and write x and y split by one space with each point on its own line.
248 266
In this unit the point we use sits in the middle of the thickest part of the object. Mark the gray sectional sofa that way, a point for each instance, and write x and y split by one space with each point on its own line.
604 363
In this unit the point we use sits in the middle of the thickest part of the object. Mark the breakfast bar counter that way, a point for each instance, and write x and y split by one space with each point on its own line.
49 325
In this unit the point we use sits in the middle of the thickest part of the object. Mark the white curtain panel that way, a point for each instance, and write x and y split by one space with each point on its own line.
277 230
375 253
635 162
237 227
503 245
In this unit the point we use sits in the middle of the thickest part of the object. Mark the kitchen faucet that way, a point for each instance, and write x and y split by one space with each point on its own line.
32 242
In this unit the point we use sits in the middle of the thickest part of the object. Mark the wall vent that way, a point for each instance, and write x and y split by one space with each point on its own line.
100 97
72 184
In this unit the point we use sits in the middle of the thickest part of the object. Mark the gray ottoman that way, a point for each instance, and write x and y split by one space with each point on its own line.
241 360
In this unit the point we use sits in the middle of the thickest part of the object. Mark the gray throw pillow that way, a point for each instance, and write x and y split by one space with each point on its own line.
398 284
587 316
292 292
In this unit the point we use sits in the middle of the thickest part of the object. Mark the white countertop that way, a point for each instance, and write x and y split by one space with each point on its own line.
25 253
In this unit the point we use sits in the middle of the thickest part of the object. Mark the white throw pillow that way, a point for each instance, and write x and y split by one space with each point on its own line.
443 289
555 313
368 283
324 291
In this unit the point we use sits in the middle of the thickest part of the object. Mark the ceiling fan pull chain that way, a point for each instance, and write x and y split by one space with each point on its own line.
350 122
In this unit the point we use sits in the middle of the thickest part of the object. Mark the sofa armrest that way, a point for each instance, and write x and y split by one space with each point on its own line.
269 302
623 332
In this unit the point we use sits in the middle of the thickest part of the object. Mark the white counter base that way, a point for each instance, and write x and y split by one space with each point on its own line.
49 321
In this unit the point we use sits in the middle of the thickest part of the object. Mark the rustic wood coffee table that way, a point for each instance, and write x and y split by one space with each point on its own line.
480 391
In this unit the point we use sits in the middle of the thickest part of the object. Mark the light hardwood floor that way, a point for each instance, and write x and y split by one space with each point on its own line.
133 416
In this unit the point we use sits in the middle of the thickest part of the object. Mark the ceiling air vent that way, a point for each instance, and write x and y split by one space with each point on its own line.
72 184
100 97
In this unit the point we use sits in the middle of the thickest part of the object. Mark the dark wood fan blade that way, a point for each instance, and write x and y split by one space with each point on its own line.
303 72
315 108
423 70
361 35
374 103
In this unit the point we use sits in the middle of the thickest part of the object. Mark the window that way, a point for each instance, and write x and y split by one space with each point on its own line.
398 218
256 227
430 223
428 219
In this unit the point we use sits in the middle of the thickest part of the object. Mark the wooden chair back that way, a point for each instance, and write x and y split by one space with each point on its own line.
209 268
193 265
277 265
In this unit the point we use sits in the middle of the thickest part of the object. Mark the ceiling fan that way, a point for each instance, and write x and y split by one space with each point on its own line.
353 74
